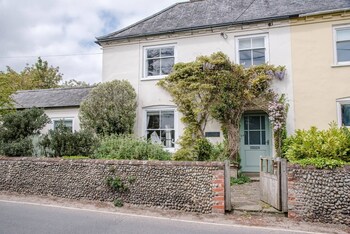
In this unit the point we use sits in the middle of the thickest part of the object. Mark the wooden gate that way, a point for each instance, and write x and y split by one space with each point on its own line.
273 183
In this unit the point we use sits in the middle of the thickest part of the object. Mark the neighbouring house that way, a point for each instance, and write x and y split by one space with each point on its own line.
253 32
61 104
321 66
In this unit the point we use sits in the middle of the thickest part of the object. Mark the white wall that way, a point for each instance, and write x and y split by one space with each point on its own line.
125 61
59 113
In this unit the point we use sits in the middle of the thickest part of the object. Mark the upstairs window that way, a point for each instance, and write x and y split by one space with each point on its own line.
252 50
342 44
159 60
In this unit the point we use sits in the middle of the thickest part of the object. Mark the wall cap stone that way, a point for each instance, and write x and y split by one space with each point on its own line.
116 162
313 168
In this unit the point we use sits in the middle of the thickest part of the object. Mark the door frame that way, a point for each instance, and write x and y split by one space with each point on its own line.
269 136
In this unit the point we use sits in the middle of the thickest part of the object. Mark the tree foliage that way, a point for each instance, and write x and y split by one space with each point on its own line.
16 128
75 83
38 76
214 86
110 108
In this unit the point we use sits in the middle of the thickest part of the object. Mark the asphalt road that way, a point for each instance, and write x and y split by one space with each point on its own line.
30 218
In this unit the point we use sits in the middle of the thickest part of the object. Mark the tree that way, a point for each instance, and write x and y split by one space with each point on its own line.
42 75
38 76
110 108
16 128
6 90
75 83
221 89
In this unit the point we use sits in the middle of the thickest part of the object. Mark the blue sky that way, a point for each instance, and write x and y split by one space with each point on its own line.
63 32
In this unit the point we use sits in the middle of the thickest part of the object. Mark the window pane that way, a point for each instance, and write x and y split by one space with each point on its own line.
245 58
168 138
244 43
258 42
343 34
167 119
153 67
154 137
263 137
68 124
343 51
167 52
345 114
263 122
153 53
246 138
167 65
254 122
259 56
152 120
254 137
246 120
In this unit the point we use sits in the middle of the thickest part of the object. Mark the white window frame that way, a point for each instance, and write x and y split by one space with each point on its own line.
266 43
176 123
144 59
340 102
335 28
62 119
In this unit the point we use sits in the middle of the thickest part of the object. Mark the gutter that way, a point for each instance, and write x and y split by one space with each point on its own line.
325 12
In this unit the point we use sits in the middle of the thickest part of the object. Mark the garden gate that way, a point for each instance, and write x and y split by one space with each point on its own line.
273 182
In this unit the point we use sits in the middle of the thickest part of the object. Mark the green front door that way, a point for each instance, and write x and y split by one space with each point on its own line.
255 141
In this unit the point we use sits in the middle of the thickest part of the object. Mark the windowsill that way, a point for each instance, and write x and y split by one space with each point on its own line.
152 78
347 64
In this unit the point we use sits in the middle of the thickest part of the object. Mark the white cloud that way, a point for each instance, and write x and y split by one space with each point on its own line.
64 27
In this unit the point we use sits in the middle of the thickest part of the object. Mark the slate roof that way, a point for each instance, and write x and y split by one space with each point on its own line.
50 98
211 13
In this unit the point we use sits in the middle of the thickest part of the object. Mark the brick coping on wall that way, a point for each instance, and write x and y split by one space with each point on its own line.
118 162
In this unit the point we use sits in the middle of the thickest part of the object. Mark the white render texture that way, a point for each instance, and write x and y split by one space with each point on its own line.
62 113
125 61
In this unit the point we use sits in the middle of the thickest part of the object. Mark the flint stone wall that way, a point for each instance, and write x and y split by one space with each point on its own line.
186 186
319 195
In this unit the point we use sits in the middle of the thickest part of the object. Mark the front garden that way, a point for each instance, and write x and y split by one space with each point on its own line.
209 88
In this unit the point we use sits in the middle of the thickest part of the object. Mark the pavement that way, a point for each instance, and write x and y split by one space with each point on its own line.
233 221
246 198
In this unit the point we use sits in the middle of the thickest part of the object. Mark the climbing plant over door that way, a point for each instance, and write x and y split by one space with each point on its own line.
213 86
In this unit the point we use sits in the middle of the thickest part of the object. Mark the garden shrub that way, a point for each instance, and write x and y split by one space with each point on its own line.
18 148
17 130
131 148
321 148
63 142
110 108
202 150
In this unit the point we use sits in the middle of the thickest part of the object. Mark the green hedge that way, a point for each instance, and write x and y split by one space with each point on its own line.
321 148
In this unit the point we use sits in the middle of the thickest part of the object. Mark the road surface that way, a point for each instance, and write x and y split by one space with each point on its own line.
21 217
